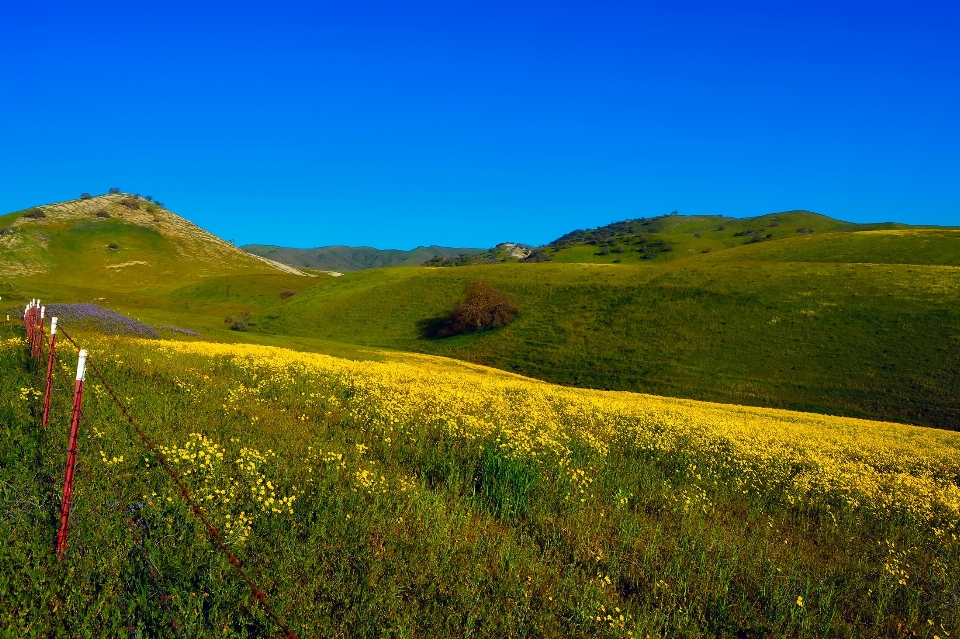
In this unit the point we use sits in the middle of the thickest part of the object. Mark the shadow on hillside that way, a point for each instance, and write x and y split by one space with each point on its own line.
435 327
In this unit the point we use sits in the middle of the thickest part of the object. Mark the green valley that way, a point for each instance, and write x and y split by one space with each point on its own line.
840 318
384 482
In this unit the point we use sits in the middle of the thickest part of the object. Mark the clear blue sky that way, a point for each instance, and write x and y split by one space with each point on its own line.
470 123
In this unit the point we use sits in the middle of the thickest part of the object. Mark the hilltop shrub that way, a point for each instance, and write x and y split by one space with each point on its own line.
35 214
235 323
114 190
482 308
85 196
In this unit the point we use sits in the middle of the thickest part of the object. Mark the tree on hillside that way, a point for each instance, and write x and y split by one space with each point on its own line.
85 196
482 308
114 190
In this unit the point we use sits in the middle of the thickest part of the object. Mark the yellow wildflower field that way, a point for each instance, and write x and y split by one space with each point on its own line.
876 466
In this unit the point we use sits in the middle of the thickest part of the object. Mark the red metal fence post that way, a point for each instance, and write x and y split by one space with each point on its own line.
43 310
46 394
32 328
71 456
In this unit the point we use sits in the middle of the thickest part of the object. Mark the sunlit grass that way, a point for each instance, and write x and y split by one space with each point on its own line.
417 496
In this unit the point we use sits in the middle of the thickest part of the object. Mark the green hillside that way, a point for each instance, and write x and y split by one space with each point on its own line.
840 338
345 259
674 237
134 256
859 320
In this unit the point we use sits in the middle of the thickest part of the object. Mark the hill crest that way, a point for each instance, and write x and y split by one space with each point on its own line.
25 235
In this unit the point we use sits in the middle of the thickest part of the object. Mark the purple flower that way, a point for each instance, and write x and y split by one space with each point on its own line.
100 319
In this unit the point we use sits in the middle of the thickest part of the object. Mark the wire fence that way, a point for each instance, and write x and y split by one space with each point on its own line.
34 324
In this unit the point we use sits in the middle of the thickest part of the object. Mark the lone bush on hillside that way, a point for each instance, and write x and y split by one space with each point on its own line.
130 203
85 196
112 246
287 294
235 323
35 214
482 308
804 229
114 190
102 214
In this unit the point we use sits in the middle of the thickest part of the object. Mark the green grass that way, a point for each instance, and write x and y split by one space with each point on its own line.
858 320
847 339
680 232
481 545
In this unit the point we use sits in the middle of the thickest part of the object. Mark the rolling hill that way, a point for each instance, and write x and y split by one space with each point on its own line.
353 258
136 257
118 240
839 318
848 322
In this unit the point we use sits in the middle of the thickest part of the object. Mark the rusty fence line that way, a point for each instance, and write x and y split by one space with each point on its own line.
33 320
61 386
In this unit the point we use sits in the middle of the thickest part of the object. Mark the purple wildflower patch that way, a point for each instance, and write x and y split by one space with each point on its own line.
100 319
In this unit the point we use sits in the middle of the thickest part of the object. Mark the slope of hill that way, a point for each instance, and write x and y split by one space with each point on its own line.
503 252
859 320
353 258
424 497
108 236
133 255
738 326
673 237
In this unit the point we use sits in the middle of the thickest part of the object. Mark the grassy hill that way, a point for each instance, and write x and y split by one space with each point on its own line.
117 242
414 495
423 497
859 320
345 259
136 257
674 237
771 323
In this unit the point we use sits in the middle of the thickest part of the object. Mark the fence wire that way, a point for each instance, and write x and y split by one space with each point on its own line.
212 532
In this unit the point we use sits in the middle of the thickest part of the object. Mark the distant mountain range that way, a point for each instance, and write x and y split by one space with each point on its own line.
346 259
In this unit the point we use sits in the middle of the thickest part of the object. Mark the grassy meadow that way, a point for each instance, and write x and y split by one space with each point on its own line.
419 496
863 340
854 320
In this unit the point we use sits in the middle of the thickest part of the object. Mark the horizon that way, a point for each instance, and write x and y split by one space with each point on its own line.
375 124
482 248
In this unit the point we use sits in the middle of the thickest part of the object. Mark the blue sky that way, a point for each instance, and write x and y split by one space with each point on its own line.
469 123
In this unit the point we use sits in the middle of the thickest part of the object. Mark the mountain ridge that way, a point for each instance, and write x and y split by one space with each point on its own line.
352 258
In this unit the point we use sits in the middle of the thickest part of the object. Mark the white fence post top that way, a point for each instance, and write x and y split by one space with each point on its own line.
53 326
82 365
